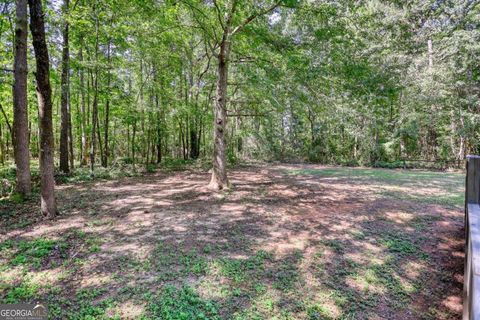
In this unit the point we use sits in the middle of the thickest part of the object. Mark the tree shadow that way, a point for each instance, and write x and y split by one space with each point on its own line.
277 245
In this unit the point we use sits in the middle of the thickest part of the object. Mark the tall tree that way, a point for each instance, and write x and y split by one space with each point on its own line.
227 13
107 110
95 97
219 178
44 95
20 115
65 85
83 111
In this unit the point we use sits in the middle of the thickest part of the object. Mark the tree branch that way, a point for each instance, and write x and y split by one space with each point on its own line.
246 115
253 17
202 26
6 120
219 15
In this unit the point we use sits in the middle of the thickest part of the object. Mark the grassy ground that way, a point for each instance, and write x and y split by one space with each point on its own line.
289 242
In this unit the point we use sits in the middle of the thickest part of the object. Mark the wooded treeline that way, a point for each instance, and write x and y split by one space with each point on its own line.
353 82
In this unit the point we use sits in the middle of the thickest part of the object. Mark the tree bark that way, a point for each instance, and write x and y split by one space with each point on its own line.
219 178
99 138
2 147
83 146
430 54
194 148
159 131
107 111
95 103
134 131
182 139
20 108
70 137
44 95
94 124
64 129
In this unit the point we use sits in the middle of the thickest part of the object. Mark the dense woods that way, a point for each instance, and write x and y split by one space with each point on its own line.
144 82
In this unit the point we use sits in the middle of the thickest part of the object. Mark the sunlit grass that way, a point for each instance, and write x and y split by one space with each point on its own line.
432 187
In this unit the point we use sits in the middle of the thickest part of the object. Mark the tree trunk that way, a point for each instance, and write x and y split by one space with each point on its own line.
83 146
461 149
114 141
44 95
430 54
187 142
159 131
128 140
20 114
2 147
64 164
107 112
70 137
134 131
147 152
219 178
194 151
94 124
95 103
182 139
99 138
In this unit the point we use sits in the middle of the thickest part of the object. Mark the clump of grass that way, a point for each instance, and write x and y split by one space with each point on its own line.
192 262
17 197
287 276
358 234
30 252
319 312
172 262
87 304
400 246
22 292
240 270
336 245
181 304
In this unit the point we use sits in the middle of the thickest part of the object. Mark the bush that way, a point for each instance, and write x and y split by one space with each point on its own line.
232 158
389 165
151 167
350 163
176 164
6 187
316 154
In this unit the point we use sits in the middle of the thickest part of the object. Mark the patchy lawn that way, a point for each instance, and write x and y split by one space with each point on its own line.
289 242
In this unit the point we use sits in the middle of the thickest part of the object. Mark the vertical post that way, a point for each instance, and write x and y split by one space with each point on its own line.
472 200
473 180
